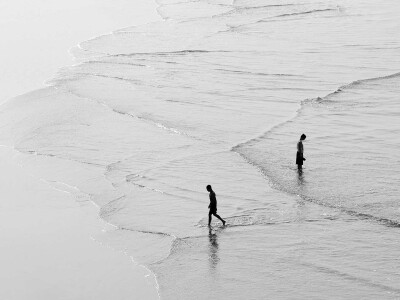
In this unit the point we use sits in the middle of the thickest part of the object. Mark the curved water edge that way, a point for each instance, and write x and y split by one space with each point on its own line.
336 102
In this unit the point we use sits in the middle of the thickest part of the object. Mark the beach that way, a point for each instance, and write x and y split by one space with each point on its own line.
218 93
38 36
49 248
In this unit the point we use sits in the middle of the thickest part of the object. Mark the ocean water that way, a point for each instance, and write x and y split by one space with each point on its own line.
218 93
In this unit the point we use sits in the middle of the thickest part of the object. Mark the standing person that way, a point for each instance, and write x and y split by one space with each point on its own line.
300 151
213 206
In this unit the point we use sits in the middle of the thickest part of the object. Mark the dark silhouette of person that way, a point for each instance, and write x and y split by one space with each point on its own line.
213 206
300 152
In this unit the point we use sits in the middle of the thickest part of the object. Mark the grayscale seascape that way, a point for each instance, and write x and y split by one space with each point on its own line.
219 93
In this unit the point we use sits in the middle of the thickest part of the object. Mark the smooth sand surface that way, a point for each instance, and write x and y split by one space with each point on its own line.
36 35
47 245
48 250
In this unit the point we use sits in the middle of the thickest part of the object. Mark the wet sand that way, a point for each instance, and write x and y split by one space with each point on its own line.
49 248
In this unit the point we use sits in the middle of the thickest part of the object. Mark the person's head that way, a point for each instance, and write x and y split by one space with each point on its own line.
209 188
303 137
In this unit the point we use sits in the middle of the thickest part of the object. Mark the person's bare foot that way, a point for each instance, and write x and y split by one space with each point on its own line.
223 223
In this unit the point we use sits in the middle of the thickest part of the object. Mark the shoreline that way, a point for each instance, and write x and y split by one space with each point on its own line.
38 39
49 244
56 223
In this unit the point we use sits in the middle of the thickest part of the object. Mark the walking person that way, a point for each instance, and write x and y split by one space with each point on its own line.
300 152
213 206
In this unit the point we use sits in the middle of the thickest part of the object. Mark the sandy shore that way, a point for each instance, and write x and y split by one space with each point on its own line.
37 35
48 247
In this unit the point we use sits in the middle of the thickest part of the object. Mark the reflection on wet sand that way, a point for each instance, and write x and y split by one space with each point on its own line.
213 248
300 178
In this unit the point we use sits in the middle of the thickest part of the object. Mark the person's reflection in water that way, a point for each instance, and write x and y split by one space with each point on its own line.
213 248
300 177
302 211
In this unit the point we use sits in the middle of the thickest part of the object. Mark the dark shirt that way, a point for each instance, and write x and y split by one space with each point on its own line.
300 147
213 201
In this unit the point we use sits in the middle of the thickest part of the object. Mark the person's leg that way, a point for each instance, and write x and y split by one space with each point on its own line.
209 218
223 222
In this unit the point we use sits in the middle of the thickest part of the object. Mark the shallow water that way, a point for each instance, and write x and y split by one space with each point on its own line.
218 93
354 159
